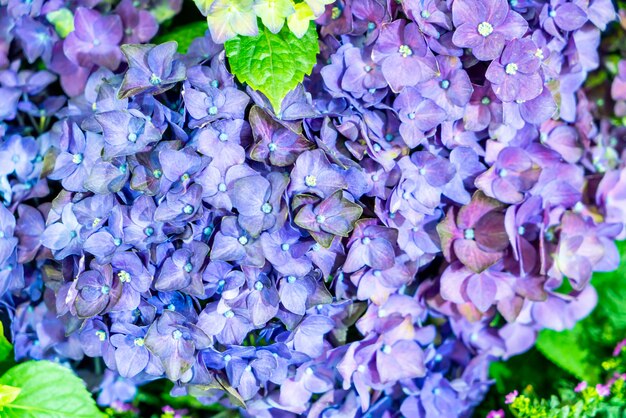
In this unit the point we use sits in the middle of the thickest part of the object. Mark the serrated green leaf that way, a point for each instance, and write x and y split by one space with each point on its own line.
184 35
47 390
274 64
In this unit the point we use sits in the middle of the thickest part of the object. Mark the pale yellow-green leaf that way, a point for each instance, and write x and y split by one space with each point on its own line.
204 6
8 394
228 18
318 6
273 12
63 21
299 21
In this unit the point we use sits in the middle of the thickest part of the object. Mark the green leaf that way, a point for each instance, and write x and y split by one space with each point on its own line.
274 64
47 390
581 349
568 350
63 21
6 348
8 394
184 35
7 359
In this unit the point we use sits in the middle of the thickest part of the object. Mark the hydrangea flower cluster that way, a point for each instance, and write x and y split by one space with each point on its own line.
229 18
437 191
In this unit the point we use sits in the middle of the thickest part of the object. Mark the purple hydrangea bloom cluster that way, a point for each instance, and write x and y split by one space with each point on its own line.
436 192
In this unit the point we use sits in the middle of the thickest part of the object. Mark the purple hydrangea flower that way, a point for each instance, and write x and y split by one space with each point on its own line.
515 76
152 69
95 39
486 26
403 54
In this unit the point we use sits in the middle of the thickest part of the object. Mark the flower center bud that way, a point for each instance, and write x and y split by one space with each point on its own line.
539 53
177 334
157 173
485 100
77 158
367 68
148 231
445 84
124 276
371 26
366 240
105 289
320 219
411 115
132 137
422 171
511 68
503 172
96 42
223 137
266 208
335 13
258 286
229 314
485 29
243 240
188 209
188 267
425 14
117 242
405 51
310 181
101 335
73 234
221 187
207 230
521 230
386 349
469 233
291 279
138 342
285 247
15 158
272 147
552 13
213 110
155 80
